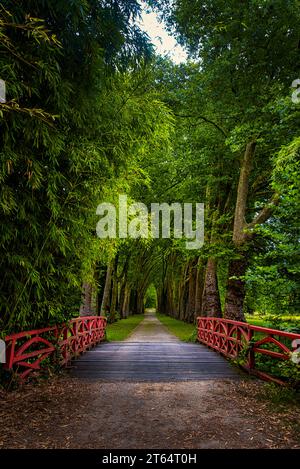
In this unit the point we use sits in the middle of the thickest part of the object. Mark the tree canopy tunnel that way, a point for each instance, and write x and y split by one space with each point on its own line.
92 113
150 300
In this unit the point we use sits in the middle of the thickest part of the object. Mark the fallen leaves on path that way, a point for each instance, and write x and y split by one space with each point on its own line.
68 413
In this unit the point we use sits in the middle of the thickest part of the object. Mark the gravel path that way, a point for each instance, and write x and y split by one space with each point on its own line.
151 330
72 413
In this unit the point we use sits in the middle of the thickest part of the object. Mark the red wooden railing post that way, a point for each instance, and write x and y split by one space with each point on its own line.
251 352
65 347
10 349
238 344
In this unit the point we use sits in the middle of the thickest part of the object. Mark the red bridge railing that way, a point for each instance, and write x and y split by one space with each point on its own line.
25 351
232 338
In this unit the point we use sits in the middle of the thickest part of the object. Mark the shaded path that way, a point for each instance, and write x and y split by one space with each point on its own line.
151 330
151 353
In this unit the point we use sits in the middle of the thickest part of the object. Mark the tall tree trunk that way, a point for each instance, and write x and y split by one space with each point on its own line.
137 301
87 292
243 234
89 302
162 304
126 300
184 293
199 288
176 296
114 290
105 304
236 289
159 299
190 306
122 297
169 298
239 235
140 307
211 305
114 295
133 301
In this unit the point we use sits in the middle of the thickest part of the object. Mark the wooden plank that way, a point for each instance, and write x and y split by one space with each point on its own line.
152 362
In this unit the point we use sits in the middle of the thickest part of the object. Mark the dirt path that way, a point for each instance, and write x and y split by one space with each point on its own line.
151 330
68 412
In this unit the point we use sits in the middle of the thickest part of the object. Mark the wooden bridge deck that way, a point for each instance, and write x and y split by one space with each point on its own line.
142 361
151 353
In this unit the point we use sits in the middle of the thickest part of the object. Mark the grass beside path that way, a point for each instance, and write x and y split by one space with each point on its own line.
182 330
121 329
284 322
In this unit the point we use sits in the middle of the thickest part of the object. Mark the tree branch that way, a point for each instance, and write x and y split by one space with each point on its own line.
205 119
265 212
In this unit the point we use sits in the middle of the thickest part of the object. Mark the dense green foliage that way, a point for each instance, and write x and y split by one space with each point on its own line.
71 123
92 113
150 297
